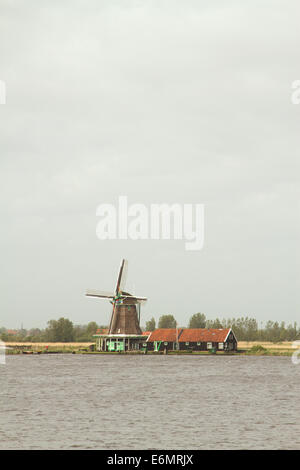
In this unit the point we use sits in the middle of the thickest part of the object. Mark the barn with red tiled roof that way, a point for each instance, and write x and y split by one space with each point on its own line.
208 338
193 335
164 339
165 334
198 339
146 333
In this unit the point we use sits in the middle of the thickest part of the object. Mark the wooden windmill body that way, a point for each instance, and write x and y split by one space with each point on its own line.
124 329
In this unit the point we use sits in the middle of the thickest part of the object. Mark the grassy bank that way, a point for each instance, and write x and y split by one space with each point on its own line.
244 348
48 348
266 348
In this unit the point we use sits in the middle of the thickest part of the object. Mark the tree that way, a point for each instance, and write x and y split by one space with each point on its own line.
35 335
214 323
84 333
150 325
198 320
92 328
60 330
167 321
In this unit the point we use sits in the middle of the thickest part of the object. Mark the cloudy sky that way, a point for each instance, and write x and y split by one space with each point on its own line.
164 102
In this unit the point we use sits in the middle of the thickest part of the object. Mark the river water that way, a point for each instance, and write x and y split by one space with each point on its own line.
149 402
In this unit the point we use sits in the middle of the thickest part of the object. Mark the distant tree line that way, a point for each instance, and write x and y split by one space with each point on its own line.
245 329
61 330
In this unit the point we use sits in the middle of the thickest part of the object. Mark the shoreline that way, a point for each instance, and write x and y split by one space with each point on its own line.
246 349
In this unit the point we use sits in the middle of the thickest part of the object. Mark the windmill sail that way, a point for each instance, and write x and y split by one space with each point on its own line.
121 277
124 318
97 293
139 300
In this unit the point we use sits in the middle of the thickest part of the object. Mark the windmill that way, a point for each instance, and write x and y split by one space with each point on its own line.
125 317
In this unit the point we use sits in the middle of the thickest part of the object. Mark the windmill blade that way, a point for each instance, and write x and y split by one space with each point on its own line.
135 297
98 293
141 300
112 318
122 276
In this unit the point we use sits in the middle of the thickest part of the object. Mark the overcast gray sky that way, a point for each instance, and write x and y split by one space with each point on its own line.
162 101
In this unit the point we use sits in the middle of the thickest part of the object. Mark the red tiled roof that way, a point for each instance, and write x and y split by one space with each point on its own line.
189 335
102 331
164 334
146 333
193 335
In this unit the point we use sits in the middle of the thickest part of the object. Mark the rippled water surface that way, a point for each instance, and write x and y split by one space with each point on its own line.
146 402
